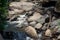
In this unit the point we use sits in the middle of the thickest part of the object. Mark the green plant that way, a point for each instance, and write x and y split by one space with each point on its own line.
3 13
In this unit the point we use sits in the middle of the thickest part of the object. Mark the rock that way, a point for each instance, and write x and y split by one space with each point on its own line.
31 32
58 30
48 33
44 1
42 19
33 23
35 17
57 9
22 5
18 11
55 23
58 37
11 12
38 25
44 27
23 0
54 39
55 29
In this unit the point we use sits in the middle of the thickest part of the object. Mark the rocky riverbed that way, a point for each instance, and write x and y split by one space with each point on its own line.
37 20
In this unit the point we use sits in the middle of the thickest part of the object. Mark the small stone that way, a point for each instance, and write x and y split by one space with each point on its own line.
48 33
35 17
38 25
33 23
31 32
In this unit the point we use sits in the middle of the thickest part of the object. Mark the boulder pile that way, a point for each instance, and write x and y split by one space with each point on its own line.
39 22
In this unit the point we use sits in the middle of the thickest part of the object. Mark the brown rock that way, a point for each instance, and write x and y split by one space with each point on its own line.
48 33
31 32
35 17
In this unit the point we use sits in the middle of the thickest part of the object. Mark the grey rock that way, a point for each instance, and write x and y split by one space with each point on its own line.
55 23
42 19
44 27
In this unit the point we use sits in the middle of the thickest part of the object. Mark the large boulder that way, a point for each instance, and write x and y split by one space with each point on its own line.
22 5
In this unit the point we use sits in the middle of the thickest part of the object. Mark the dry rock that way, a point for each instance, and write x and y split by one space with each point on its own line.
33 23
31 32
18 11
22 5
48 33
38 25
35 17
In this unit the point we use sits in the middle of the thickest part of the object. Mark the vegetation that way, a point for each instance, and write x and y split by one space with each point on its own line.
3 13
